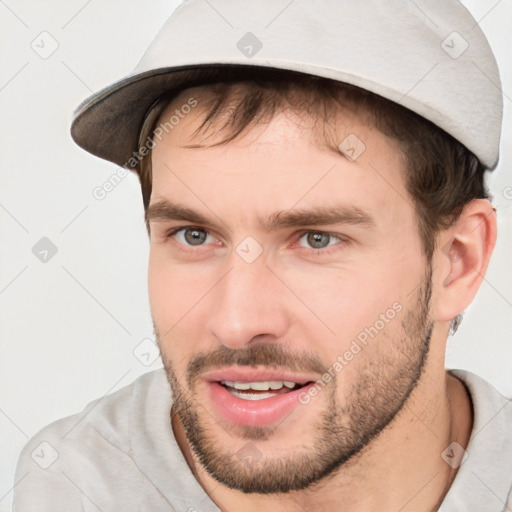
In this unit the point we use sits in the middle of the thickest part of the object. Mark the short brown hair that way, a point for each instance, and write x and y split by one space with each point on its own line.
441 176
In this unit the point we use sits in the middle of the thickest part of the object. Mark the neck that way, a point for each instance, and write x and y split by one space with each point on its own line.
402 469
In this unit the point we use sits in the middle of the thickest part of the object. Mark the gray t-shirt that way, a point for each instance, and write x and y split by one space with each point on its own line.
120 454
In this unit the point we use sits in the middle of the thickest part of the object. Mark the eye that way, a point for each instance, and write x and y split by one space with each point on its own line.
191 236
318 240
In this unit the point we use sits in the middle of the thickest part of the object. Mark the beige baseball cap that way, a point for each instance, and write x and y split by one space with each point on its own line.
429 56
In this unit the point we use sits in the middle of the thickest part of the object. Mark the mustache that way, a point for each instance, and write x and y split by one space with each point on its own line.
269 355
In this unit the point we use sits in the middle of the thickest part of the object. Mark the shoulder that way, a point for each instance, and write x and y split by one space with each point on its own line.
77 460
484 478
487 401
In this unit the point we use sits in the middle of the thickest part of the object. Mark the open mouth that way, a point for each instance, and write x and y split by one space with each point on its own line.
260 390
256 397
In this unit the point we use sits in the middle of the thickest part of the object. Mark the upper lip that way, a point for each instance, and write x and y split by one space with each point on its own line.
250 374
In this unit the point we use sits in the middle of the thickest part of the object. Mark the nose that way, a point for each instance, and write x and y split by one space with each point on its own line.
248 304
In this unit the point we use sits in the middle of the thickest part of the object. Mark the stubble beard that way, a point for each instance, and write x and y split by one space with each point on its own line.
341 432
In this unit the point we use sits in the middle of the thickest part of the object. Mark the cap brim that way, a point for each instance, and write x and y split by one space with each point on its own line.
108 124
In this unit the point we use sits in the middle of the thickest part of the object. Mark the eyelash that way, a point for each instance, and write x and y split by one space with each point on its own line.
342 240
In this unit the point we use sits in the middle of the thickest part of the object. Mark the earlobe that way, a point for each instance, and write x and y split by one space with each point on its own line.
464 257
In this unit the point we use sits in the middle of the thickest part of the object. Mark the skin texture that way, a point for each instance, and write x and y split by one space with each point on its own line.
372 438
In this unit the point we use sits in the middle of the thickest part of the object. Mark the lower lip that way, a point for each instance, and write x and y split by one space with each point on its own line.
253 413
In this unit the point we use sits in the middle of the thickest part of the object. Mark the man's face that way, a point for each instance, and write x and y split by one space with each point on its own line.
292 307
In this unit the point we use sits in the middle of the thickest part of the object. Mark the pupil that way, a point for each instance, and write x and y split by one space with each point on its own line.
195 236
318 240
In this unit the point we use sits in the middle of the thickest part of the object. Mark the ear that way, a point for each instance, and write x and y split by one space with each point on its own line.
463 257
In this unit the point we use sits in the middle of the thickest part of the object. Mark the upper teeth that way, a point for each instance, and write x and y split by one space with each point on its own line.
260 386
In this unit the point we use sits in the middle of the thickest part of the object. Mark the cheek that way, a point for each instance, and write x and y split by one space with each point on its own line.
173 292
159 291
178 307
348 299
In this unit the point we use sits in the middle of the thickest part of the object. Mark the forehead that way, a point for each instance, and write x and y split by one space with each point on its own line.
326 122
319 111
275 165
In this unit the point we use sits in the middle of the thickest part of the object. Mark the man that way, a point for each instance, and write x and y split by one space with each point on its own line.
318 222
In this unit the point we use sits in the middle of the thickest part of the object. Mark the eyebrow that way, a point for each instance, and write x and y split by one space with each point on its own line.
318 216
165 210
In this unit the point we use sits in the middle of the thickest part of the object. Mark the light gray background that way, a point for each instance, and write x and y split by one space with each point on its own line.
71 328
